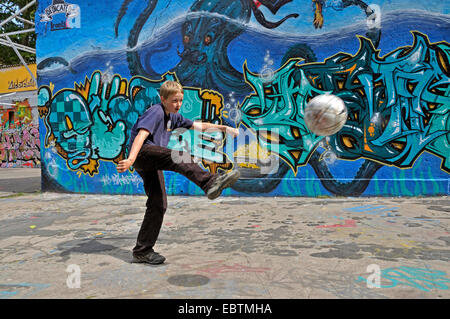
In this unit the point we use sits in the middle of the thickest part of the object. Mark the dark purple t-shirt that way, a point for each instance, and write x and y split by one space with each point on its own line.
159 125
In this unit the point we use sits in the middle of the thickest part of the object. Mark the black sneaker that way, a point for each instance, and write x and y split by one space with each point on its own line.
152 258
222 181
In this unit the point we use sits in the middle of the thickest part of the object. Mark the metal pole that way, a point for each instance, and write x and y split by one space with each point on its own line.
17 32
7 94
17 13
18 46
24 20
21 59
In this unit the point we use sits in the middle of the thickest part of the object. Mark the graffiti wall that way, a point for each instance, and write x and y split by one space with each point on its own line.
19 119
254 65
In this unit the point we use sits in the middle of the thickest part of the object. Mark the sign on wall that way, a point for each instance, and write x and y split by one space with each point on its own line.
17 79
61 15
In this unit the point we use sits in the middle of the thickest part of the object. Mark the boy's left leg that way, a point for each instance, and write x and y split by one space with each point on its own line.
155 189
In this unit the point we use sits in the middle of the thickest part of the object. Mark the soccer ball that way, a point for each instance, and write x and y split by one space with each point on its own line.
325 114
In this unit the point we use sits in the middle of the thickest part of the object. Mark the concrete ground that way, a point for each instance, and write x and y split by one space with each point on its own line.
78 246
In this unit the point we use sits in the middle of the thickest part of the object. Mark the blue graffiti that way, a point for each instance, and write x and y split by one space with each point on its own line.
420 278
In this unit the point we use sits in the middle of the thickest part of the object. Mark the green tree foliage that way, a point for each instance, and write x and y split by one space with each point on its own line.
7 54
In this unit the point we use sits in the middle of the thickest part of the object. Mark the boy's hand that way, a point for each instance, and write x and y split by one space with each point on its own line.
124 165
232 131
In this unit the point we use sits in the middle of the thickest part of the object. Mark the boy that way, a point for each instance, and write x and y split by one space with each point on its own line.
149 155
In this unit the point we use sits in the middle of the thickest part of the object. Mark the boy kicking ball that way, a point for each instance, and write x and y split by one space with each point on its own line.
149 155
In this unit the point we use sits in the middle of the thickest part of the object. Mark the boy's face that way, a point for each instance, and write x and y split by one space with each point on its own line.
173 102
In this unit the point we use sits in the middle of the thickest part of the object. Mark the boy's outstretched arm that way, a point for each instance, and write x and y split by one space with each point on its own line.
125 164
204 126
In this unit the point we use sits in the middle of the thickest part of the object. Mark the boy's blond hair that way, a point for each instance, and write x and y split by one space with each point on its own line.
170 87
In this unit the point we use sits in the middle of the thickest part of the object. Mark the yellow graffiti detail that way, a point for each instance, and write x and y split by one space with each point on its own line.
83 89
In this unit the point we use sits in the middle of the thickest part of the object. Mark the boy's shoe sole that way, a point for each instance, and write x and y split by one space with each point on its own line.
152 258
222 182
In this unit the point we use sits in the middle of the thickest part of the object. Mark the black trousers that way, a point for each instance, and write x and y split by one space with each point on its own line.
150 163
